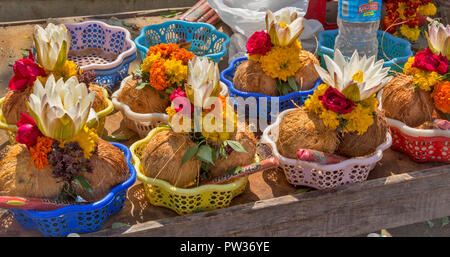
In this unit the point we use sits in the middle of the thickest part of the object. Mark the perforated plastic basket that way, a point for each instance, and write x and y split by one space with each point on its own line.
183 200
398 50
285 102
106 49
79 218
421 145
11 129
206 39
303 173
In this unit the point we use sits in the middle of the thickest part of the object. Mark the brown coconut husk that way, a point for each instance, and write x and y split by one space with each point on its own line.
14 104
307 75
145 100
402 102
247 139
162 159
109 169
249 77
354 145
300 129
99 101
19 176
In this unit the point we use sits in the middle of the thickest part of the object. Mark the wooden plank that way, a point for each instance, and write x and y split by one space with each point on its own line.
346 211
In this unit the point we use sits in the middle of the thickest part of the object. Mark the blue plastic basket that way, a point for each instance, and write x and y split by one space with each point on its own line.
206 39
285 102
115 50
79 218
398 50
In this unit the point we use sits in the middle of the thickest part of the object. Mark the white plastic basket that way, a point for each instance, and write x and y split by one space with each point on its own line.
302 173
144 122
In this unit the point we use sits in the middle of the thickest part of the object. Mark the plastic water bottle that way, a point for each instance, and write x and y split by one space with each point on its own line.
358 22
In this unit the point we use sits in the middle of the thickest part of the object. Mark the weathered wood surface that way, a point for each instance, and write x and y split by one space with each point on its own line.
396 194
346 211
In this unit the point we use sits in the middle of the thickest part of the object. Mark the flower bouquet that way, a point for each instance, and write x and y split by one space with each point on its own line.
407 18
417 101
277 64
59 158
203 140
52 46
338 135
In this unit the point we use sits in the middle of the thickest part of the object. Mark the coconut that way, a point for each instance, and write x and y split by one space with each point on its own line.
19 177
162 158
99 101
145 100
300 129
353 145
402 102
109 169
307 75
14 104
249 77
247 139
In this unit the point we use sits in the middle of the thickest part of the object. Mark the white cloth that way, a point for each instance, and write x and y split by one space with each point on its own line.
247 17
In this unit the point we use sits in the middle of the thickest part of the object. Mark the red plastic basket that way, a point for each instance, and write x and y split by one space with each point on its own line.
421 148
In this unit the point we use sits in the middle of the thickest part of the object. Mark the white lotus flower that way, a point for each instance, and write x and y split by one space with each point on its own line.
357 79
52 45
284 29
61 109
203 81
439 38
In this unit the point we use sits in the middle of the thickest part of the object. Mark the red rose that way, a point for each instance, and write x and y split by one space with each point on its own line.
25 73
335 101
426 60
28 132
177 93
259 43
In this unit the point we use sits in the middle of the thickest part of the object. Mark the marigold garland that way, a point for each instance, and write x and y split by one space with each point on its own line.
441 96
406 16
40 151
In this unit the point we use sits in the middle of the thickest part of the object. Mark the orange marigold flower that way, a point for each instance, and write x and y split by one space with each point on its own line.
40 151
182 55
158 78
441 96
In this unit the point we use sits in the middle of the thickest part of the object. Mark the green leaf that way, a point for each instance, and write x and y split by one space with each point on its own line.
117 137
169 14
118 225
189 154
141 85
236 146
429 223
302 190
205 153
293 84
83 183
11 64
444 221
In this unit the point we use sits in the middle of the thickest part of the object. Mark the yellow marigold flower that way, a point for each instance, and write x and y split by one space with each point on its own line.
254 57
281 62
220 136
422 78
330 119
170 111
427 10
87 139
410 33
370 102
69 69
148 61
176 72
313 104
359 120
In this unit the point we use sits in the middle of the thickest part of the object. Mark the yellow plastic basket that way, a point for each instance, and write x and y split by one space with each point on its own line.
11 130
182 200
